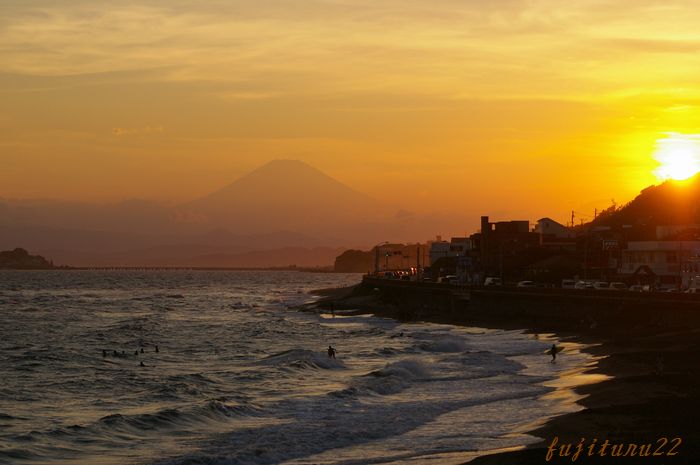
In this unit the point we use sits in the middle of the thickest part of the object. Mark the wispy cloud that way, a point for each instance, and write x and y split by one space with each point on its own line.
448 47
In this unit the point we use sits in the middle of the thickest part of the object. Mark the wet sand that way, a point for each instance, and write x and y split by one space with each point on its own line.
650 390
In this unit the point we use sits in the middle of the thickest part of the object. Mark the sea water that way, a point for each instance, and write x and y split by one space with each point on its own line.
242 377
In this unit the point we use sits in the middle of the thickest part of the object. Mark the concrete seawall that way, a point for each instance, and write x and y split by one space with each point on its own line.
580 311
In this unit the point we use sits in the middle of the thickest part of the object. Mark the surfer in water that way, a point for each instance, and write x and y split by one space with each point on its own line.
331 352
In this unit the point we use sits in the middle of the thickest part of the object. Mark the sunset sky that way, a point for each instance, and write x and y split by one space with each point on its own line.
513 108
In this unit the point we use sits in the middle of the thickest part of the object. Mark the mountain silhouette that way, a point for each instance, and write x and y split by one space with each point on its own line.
278 212
286 195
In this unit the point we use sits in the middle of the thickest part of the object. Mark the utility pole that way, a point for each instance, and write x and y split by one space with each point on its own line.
572 218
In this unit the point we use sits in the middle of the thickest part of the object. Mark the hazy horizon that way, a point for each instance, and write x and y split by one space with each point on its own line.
282 213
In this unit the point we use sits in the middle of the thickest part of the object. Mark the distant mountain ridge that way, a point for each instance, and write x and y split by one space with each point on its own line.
284 206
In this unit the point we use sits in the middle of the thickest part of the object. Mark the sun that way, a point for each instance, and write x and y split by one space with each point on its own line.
678 156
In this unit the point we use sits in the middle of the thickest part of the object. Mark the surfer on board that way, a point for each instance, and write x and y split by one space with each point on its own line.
331 352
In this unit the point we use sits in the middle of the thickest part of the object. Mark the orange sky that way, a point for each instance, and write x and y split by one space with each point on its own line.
514 108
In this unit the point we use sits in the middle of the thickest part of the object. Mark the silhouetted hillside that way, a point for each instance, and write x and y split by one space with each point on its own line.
355 261
670 203
19 259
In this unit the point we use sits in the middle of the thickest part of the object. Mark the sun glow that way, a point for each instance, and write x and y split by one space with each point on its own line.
678 156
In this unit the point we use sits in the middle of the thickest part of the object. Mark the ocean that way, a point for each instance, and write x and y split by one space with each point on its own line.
242 377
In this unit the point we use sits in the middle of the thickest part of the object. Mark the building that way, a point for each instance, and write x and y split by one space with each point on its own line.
438 249
690 273
400 256
458 246
547 228
670 232
659 260
555 236
505 247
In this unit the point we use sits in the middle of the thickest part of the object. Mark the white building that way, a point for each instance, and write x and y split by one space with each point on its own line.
663 258
551 228
458 246
555 236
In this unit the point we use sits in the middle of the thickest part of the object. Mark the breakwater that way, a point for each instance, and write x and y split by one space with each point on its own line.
541 309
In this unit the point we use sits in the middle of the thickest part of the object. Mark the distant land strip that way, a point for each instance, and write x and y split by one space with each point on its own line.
325 269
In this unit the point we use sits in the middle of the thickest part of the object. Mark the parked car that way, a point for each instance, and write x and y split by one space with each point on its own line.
568 284
583 285
601 285
618 286
447 279
527 284
639 288
493 282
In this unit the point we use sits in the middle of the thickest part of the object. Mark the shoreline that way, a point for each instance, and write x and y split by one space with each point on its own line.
650 391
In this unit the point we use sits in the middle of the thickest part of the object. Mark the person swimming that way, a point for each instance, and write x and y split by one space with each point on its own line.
331 352
104 353
142 364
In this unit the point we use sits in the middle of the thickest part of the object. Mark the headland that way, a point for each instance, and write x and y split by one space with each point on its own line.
20 259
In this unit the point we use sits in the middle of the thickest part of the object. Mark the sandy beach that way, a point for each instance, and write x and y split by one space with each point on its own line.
645 404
